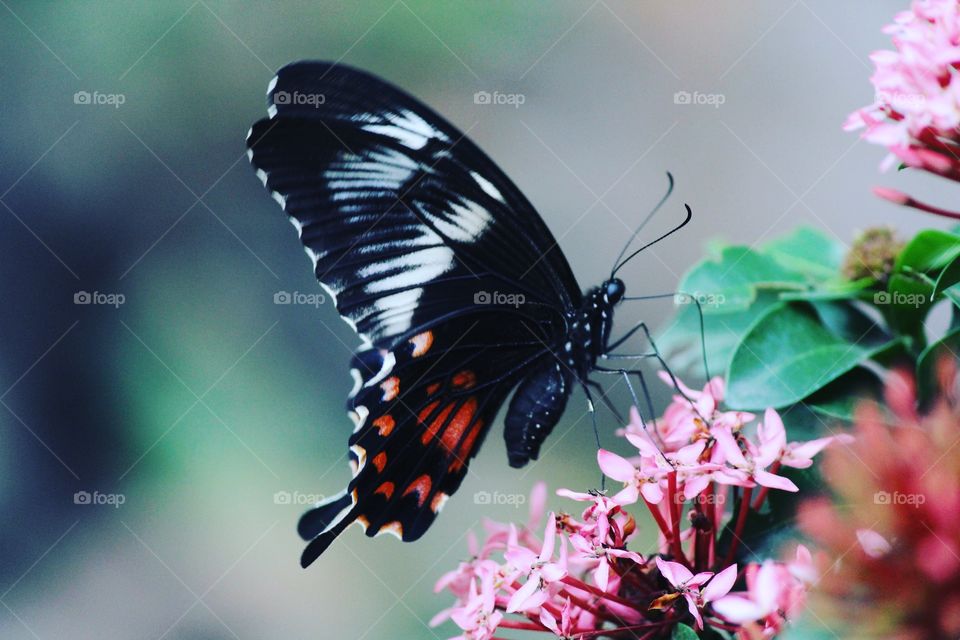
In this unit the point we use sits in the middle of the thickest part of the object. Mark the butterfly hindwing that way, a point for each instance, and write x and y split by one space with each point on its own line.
421 412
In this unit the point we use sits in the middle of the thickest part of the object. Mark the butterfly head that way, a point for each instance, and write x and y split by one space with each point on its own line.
613 291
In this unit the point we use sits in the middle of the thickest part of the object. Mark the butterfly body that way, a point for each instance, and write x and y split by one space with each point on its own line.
453 282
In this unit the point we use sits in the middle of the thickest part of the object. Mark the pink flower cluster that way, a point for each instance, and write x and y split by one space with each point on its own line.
916 107
577 578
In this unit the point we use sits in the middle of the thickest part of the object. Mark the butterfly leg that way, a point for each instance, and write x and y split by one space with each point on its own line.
626 373
643 327
605 400
596 431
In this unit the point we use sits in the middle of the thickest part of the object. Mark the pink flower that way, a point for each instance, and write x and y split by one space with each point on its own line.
564 628
540 570
916 108
478 617
753 466
687 584
644 481
773 596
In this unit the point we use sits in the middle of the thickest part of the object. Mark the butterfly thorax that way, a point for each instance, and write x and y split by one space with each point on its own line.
589 327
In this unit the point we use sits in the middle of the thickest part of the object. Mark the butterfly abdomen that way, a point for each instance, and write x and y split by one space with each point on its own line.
535 410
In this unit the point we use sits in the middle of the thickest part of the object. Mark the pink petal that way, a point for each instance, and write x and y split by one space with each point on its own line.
738 609
538 504
675 573
720 585
552 572
601 575
694 611
652 492
628 495
615 467
549 539
518 601
727 446
872 543
768 479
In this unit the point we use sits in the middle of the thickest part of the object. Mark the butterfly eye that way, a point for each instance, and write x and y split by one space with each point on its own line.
615 290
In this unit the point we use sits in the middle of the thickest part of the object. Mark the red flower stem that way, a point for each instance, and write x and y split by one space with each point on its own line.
674 506
655 626
655 512
716 513
526 626
583 586
908 201
765 490
583 604
741 522
702 539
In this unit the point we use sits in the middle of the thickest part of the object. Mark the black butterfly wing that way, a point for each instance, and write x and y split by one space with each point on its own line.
434 257
421 412
403 215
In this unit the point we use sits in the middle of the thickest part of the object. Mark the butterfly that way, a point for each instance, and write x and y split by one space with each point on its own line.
454 284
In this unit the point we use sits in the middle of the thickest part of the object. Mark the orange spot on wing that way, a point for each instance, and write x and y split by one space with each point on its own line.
466 447
391 388
386 489
465 379
433 388
421 343
380 461
437 422
453 428
420 486
385 424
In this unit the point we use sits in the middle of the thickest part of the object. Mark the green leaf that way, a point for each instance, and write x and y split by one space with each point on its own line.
683 632
948 277
731 283
929 250
680 341
906 304
735 286
839 399
838 290
850 322
787 355
808 251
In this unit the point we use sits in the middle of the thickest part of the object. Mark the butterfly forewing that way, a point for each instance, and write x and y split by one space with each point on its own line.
434 257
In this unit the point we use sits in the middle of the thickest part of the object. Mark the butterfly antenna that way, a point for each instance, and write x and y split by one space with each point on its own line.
643 224
653 242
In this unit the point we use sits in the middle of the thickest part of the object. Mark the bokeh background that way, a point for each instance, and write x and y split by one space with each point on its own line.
212 413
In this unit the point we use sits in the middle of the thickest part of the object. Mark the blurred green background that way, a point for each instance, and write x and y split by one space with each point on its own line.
212 411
